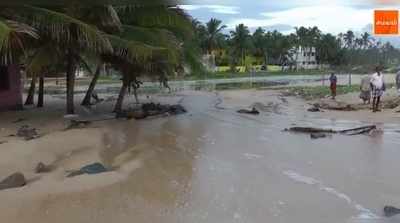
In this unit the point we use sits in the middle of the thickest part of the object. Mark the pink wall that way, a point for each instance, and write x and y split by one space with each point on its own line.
12 98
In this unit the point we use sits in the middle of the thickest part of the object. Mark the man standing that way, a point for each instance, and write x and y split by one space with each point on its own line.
333 80
378 87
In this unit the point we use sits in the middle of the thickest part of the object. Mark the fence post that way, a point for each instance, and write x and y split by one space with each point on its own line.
349 79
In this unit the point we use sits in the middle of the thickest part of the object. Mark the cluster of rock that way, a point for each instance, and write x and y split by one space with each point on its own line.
18 179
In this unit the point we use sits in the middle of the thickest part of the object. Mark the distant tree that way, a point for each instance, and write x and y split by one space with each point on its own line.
349 39
366 40
213 34
259 43
240 38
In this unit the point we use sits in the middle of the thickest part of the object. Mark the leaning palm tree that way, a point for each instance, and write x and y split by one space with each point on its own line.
161 30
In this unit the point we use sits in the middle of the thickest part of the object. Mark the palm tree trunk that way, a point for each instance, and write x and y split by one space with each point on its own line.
41 92
31 94
89 92
120 100
70 83
136 95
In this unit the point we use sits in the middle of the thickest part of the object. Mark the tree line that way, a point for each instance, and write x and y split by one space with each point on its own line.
240 47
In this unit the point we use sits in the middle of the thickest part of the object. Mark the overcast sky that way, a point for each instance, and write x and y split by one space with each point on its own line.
333 16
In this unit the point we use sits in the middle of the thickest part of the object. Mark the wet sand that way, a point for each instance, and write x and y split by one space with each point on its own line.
210 165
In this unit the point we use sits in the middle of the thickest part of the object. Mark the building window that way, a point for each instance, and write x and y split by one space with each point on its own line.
305 54
312 54
304 63
4 79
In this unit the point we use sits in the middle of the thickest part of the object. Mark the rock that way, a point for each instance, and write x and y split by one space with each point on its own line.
139 114
391 211
176 110
42 168
75 124
317 135
93 168
27 132
250 112
19 120
314 109
15 180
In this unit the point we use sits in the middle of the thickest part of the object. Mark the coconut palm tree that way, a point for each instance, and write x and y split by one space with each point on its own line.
366 39
349 39
259 43
240 41
213 28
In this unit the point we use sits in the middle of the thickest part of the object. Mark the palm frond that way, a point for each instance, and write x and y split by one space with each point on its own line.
155 37
12 40
171 18
42 58
64 29
103 16
133 51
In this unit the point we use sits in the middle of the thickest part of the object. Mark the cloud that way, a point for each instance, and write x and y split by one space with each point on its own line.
279 27
329 18
220 9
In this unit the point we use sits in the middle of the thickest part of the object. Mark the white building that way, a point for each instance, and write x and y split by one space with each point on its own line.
305 58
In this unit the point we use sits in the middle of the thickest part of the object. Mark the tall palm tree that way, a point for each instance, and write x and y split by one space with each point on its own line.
366 39
240 41
349 39
258 39
213 28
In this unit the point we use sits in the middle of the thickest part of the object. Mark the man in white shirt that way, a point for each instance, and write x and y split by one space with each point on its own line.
378 87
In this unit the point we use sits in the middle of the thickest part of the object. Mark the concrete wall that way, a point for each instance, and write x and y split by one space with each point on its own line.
11 99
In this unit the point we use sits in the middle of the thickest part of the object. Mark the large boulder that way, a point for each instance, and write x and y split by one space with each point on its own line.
15 180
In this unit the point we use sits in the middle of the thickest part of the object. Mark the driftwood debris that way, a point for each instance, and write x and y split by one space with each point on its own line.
353 131
317 135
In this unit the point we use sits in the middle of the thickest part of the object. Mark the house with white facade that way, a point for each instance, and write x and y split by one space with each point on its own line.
305 58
